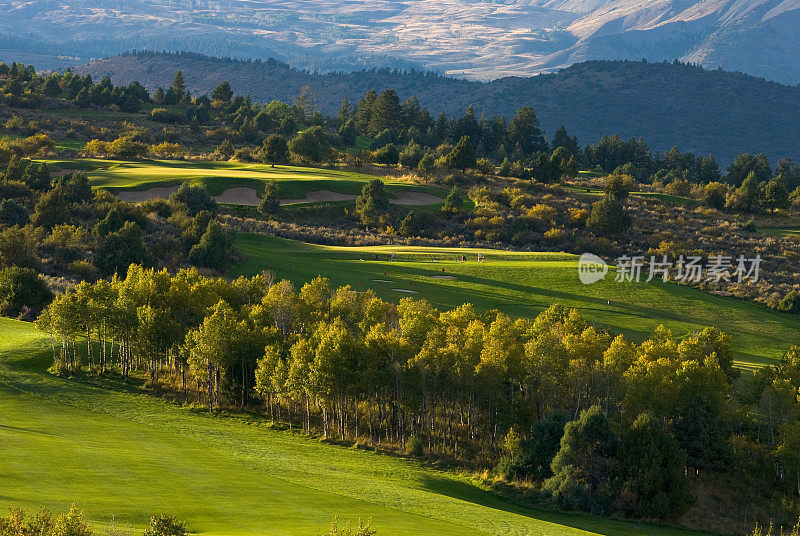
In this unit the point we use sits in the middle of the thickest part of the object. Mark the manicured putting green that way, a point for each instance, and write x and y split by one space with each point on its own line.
293 181
523 284
123 453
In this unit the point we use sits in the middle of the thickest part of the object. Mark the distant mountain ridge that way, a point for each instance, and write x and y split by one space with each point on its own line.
667 104
475 39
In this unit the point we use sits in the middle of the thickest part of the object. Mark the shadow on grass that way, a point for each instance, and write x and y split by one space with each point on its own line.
464 491
24 430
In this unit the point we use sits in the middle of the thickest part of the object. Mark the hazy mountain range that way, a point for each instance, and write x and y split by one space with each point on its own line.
704 111
467 38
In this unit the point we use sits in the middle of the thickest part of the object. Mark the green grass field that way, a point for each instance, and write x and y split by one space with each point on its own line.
792 232
653 196
523 284
117 451
216 177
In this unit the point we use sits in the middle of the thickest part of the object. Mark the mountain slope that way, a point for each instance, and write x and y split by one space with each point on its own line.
477 39
759 37
702 111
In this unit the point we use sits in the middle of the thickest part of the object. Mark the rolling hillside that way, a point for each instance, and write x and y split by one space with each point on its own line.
120 452
524 284
666 104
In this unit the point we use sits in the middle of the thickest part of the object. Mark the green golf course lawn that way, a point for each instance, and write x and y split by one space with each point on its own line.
524 284
120 452
216 177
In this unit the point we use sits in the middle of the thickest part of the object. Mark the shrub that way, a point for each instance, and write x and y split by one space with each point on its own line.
311 144
373 202
409 227
168 150
651 465
163 115
348 133
541 215
22 291
452 204
680 187
414 446
790 303
165 525
18 246
582 467
121 249
270 203
387 155
362 530
714 194
608 217
462 156
12 213
215 248
275 150
411 154
192 199
427 165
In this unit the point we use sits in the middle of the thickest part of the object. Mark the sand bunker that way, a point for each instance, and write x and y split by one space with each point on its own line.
137 196
382 281
442 277
240 195
319 196
404 290
415 198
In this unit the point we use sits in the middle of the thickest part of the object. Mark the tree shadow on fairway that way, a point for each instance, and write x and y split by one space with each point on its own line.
24 430
464 491
560 296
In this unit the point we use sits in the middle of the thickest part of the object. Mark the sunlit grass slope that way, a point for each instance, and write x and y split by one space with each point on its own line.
293 181
523 284
123 453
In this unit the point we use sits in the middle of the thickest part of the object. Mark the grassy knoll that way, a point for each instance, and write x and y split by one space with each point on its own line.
293 181
523 284
118 451
781 231
656 196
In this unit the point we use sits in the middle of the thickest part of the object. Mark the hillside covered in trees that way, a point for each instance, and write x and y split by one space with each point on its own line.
701 111
127 217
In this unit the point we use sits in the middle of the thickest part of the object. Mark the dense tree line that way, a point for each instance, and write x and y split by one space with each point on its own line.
396 133
474 385
61 227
